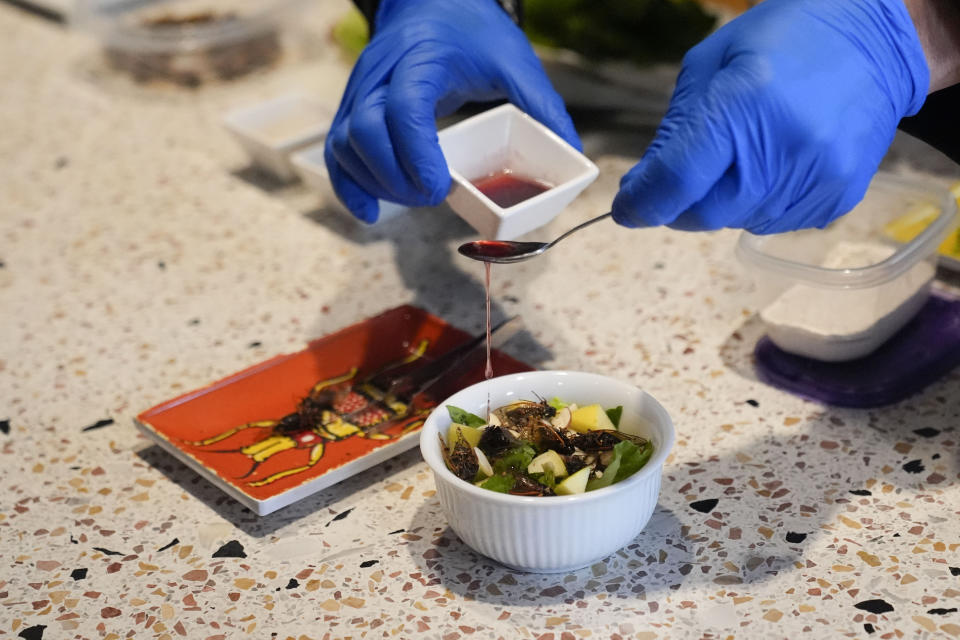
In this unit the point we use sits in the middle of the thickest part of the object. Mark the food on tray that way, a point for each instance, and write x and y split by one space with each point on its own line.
542 448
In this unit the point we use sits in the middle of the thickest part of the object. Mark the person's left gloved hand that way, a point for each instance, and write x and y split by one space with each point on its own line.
780 118
426 59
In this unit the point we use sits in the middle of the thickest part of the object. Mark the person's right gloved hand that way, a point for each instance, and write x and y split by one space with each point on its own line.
780 118
426 59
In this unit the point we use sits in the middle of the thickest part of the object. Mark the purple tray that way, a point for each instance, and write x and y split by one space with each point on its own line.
920 353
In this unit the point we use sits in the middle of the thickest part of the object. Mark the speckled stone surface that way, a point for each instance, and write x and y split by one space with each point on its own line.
141 260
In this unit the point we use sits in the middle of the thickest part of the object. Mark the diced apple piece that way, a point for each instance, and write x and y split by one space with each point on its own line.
562 419
546 459
485 467
470 434
590 418
577 483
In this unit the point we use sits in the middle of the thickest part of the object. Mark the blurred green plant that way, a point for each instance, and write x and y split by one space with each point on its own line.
351 33
641 31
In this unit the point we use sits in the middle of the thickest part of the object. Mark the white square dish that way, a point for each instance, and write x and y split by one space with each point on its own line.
506 139
312 169
270 131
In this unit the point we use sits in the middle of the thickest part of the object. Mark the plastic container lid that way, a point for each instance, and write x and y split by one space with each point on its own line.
888 197
189 43
192 25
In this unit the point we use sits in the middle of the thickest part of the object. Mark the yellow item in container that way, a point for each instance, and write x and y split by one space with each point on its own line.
908 226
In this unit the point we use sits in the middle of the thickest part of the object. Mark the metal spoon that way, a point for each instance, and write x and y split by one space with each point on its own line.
505 251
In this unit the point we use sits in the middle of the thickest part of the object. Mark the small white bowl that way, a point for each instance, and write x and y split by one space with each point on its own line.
270 131
556 533
312 169
505 138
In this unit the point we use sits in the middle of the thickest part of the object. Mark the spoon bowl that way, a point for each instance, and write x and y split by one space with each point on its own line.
508 251
501 251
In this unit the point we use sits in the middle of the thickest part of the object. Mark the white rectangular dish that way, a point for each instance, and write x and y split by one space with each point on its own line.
506 139
271 131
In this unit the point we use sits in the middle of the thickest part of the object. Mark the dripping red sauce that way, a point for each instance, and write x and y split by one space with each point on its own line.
488 372
506 188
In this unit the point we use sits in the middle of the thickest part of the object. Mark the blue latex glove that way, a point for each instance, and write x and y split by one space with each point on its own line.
780 118
426 59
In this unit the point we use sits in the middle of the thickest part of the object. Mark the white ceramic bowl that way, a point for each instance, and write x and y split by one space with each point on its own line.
505 138
557 533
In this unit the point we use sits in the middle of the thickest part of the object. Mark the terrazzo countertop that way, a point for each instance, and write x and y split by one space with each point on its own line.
140 258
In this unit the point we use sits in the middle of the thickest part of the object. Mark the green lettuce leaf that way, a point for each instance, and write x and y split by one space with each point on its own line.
546 478
501 483
614 415
465 418
557 403
515 459
632 458
609 474
627 459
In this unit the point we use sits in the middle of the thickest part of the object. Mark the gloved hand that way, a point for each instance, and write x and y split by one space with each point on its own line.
780 118
426 59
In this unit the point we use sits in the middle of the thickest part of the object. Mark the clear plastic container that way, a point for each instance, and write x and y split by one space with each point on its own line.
187 42
838 293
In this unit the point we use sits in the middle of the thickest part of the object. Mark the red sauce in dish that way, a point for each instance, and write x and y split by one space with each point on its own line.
507 189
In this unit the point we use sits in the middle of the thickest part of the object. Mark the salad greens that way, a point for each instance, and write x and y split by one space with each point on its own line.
543 448
614 415
515 460
460 416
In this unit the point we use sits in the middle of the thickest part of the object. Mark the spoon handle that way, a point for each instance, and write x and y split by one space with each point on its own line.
578 227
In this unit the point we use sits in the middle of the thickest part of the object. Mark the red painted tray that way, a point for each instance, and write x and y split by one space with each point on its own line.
246 435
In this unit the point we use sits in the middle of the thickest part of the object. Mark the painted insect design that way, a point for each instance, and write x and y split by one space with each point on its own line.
334 410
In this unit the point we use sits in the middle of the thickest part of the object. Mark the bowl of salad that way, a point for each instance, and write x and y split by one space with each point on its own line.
548 471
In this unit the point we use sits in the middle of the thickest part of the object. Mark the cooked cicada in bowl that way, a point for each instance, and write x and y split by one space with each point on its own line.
542 448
